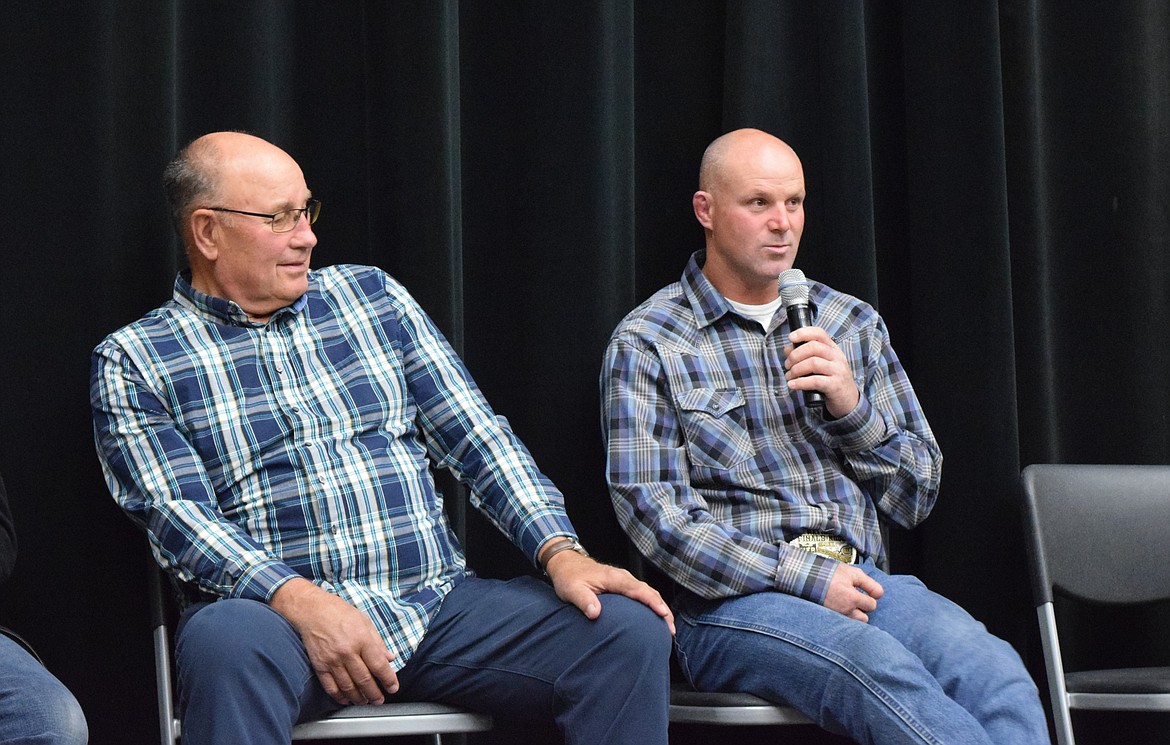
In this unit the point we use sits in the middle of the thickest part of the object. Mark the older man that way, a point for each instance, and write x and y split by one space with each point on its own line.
273 429
766 511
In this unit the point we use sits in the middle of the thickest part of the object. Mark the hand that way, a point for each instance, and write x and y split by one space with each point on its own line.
815 363
579 579
346 653
853 593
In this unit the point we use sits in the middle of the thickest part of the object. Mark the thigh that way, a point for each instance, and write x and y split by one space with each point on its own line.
503 646
940 632
847 676
774 645
235 650
958 650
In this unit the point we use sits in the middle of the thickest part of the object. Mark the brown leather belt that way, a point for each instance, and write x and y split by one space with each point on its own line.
828 546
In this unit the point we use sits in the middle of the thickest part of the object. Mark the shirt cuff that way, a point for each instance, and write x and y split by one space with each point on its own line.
861 429
805 575
261 581
541 531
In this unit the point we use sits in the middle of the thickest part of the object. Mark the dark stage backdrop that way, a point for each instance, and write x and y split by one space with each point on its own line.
992 175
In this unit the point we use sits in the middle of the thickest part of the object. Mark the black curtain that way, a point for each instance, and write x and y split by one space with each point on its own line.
992 175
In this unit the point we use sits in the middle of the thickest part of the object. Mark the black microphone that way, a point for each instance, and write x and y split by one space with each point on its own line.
794 294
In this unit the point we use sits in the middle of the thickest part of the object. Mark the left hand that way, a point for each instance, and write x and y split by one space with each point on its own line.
578 580
815 363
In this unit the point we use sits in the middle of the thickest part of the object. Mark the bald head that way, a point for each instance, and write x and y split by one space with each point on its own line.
727 151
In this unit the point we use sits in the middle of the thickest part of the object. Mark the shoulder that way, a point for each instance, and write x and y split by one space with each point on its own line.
664 316
841 313
154 327
355 278
347 285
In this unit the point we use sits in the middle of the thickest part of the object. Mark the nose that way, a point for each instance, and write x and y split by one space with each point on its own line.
303 235
779 222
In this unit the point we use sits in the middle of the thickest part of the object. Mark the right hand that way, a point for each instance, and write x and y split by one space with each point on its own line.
346 653
853 593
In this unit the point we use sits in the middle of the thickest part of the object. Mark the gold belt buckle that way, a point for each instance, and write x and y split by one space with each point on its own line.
826 545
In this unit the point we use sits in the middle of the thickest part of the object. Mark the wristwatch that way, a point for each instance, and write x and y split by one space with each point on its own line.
562 544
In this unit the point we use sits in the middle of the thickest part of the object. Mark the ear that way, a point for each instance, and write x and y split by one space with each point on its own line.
204 234
701 203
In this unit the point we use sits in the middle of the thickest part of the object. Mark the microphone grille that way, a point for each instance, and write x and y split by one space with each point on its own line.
793 287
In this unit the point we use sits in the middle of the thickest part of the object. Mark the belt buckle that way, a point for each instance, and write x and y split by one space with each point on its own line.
826 545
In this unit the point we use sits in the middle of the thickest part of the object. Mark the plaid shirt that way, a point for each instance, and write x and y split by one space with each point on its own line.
713 465
254 453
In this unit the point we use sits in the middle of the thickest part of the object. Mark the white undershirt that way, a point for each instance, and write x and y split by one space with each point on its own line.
761 313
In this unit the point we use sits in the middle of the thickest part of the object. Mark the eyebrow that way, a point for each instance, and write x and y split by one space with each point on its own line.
285 206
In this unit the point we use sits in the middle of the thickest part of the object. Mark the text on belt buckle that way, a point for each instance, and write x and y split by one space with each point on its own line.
825 545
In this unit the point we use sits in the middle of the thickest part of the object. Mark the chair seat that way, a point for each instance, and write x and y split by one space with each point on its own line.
395 719
1128 680
704 707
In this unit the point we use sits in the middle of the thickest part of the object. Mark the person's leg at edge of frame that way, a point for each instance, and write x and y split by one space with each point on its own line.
513 649
243 675
35 707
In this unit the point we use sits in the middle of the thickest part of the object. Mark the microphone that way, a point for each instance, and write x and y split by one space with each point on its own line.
794 295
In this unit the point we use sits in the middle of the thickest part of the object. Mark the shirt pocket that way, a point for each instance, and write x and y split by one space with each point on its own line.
714 424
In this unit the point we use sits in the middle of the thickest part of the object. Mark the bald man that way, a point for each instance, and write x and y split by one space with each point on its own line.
273 428
767 512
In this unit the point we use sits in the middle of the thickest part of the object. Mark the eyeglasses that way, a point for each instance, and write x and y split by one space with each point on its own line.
285 220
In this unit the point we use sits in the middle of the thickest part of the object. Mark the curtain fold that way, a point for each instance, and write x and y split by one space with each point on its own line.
991 175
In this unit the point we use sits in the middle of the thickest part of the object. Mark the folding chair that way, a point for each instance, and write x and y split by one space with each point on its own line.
1083 525
389 720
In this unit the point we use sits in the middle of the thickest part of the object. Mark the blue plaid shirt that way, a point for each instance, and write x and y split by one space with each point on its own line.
713 465
254 453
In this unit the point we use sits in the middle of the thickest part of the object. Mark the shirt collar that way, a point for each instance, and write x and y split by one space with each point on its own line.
226 311
708 303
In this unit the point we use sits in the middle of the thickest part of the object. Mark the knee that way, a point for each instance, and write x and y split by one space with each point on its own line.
635 632
230 639
51 714
68 722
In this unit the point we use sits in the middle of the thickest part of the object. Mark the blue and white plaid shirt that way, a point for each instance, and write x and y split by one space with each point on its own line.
713 465
254 453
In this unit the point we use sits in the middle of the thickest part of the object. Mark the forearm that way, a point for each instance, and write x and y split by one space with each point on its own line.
892 456
708 557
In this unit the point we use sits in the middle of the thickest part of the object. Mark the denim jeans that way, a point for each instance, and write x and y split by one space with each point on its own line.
921 671
508 648
35 707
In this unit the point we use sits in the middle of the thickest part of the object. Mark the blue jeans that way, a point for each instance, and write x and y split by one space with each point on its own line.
921 671
511 649
35 707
